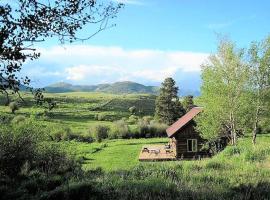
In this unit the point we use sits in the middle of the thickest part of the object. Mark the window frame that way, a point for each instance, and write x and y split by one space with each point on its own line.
194 145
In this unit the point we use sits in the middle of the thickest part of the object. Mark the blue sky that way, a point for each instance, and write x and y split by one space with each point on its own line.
153 39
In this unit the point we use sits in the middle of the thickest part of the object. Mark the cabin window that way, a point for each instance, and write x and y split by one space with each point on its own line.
192 145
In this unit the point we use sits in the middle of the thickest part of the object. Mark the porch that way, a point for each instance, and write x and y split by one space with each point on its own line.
157 153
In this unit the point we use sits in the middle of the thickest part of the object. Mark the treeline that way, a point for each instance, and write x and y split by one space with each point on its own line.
235 91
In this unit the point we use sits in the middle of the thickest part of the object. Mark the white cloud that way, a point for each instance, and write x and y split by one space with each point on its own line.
82 72
94 64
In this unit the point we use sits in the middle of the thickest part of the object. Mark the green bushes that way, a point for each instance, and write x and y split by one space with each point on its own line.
17 146
120 130
66 134
100 132
18 119
13 106
51 159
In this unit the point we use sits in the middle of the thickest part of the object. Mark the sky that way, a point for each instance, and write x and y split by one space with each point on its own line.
152 40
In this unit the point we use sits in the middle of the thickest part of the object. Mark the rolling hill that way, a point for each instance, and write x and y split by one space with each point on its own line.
125 87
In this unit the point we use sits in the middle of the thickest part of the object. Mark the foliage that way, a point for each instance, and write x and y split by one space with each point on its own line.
259 61
132 119
224 95
27 22
120 130
13 106
17 146
188 103
132 110
168 106
17 119
100 132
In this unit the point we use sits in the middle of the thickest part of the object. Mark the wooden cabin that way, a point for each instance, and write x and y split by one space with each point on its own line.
184 139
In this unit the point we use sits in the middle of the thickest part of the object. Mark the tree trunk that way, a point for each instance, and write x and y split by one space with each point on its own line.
7 99
233 131
255 128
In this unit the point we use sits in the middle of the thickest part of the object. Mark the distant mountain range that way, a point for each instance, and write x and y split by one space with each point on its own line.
125 87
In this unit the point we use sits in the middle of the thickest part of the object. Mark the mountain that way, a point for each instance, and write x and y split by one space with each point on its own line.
116 88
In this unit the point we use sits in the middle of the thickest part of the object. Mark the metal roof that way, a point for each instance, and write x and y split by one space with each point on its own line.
180 123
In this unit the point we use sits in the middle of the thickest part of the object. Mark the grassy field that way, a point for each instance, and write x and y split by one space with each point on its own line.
240 172
111 169
77 110
112 155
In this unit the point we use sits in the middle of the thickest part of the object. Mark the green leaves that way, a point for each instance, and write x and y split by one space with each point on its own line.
168 106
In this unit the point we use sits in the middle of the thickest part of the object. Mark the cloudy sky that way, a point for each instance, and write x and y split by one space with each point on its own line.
153 39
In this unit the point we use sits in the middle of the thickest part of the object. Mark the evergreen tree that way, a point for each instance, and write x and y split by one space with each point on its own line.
168 106
188 103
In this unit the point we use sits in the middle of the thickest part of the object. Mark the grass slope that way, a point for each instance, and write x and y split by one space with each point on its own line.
241 172
77 110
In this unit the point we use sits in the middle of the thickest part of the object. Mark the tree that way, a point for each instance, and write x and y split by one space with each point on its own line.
168 106
188 103
13 107
224 96
26 22
259 55
132 110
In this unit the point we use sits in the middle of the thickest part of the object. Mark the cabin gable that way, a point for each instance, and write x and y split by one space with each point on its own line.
185 138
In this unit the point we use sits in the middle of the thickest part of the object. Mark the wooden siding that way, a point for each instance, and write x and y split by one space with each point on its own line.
180 142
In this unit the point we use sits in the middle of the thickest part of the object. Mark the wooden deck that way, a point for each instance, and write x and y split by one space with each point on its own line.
156 153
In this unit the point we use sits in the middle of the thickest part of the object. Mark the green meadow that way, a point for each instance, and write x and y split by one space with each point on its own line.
77 110
110 169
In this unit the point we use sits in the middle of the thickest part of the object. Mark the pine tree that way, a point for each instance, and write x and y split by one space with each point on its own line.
188 103
168 106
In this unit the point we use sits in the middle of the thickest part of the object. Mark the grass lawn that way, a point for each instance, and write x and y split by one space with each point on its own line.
111 155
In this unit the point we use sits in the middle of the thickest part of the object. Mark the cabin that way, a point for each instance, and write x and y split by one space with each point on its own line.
184 138
185 142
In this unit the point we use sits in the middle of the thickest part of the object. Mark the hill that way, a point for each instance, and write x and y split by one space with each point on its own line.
126 87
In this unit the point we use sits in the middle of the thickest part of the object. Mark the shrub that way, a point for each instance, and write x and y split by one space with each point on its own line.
101 117
51 159
5 118
143 128
132 119
14 106
132 110
147 119
100 132
121 129
86 137
18 119
18 145
157 129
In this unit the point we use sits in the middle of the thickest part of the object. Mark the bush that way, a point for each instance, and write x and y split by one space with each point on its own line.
143 128
18 145
132 110
132 119
14 106
157 129
100 117
121 129
100 132
18 119
51 159
5 118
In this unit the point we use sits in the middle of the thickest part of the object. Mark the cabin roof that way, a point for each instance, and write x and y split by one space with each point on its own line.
180 123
